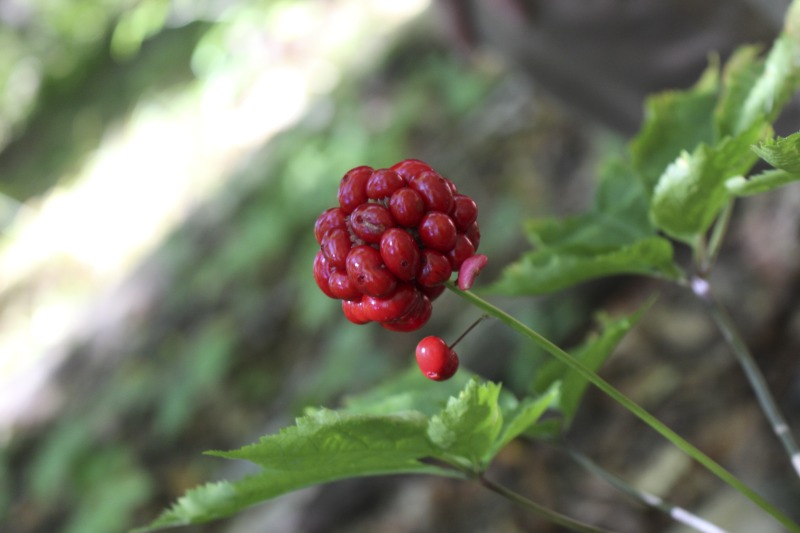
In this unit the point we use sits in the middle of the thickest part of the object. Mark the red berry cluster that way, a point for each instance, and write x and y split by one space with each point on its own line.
396 237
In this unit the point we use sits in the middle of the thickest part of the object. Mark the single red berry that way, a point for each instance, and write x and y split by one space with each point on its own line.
462 250
369 221
474 234
328 220
394 307
452 186
437 231
436 359
336 245
434 268
354 311
383 183
434 190
342 287
407 207
322 272
408 168
400 253
367 271
465 212
353 188
414 319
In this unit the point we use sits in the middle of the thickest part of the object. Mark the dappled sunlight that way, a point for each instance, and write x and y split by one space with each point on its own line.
257 71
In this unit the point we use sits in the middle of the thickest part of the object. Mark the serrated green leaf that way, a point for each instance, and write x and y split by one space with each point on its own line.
675 121
540 272
760 183
329 439
739 76
408 391
781 152
523 416
776 84
691 192
593 353
320 448
469 425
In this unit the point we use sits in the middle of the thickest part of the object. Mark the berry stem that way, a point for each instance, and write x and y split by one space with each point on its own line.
702 289
481 319
681 443
544 512
652 501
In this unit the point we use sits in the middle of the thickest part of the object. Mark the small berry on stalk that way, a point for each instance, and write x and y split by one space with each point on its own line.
436 359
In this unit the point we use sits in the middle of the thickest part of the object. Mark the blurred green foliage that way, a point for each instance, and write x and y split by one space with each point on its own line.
235 334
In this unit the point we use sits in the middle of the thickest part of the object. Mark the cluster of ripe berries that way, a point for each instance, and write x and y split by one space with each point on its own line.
396 237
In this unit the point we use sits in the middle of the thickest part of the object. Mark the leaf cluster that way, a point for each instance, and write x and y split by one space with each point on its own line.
690 160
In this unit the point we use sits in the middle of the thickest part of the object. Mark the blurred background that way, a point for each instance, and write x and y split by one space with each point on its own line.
161 167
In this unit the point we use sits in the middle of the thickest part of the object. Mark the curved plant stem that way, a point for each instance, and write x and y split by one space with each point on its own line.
702 289
682 444
544 512
650 500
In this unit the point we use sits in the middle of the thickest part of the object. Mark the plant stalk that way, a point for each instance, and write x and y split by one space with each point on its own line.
682 444
678 514
702 289
544 512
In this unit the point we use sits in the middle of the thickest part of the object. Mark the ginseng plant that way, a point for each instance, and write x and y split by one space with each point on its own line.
401 236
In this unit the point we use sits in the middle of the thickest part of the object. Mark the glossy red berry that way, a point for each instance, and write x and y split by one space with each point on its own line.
354 311
407 207
394 307
322 272
461 251
400 253
436 359
367 271
383 183
414 319
408 168
353 188
474 235
369 221
434 268
342 287
328 220
465 212
336 245
432 292
434 190
437 231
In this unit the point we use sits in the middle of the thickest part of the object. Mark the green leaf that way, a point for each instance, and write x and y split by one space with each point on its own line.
775 86
540 272
675 121
469 425
739 76
760 183
409 391
320 448
616 237
523 416
781 152
593 353
691 192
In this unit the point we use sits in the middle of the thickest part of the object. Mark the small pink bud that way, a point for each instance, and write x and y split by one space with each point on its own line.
469 270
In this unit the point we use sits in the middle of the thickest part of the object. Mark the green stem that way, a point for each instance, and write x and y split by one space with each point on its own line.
630 405
702 289
544 512
678 514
